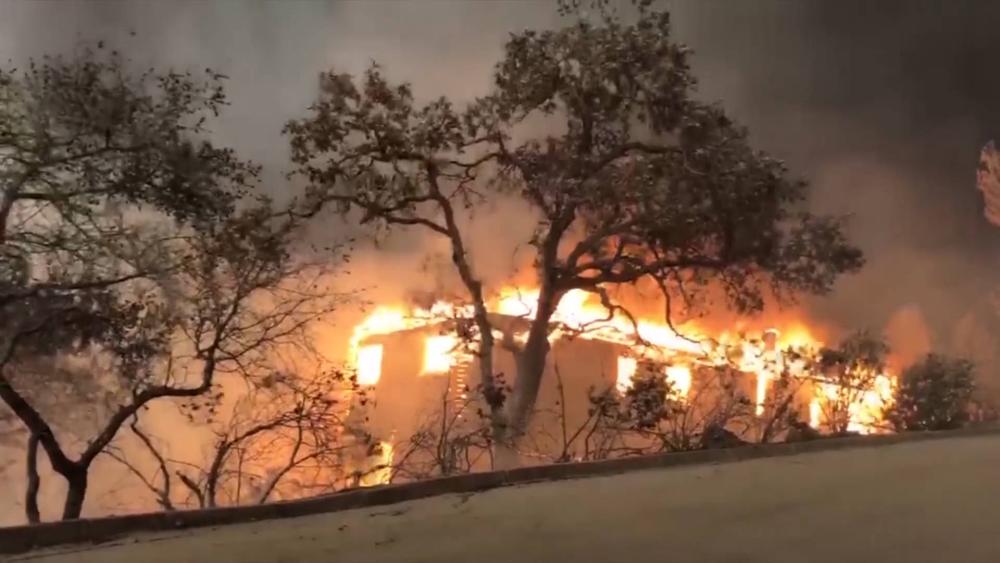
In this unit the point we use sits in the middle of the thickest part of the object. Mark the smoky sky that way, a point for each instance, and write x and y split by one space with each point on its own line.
881 106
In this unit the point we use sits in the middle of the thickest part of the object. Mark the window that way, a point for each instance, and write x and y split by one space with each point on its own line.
369 364
439 354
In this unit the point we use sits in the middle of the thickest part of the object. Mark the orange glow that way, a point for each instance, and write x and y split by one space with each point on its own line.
796 336
760 353
438 356
387 320
762 381
815 413
381 473
870 410
680 380
626 371
866 414
369 364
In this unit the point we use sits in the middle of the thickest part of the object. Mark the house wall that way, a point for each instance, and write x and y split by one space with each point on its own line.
406 400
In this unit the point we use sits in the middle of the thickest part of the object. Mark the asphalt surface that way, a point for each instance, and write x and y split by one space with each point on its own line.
933 501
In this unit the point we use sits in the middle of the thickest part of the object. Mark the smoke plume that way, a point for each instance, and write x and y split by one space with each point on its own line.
882 106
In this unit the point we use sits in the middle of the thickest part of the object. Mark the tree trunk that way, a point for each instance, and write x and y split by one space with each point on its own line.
530 369
77 482
505 454
34 482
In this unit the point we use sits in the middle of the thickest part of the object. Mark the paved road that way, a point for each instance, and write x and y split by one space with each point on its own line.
935 501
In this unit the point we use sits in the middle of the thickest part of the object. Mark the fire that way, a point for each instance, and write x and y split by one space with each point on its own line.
380 472
626 371
680 380
369 362
864 414
438 356
815 412
679 376
581 315
762 381
386 320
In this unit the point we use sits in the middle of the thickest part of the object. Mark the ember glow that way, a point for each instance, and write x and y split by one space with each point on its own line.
380 472
680 380
681 349
438 354
369 364
626 371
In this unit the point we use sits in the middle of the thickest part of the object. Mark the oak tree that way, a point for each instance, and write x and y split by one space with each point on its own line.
633 180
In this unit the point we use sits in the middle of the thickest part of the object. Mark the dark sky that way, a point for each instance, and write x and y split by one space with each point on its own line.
882 105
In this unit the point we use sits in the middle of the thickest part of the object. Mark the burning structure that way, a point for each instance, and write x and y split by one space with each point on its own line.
420 365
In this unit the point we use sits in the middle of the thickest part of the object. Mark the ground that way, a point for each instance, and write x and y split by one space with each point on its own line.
930 501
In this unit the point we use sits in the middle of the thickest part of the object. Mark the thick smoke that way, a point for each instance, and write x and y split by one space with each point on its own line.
883 106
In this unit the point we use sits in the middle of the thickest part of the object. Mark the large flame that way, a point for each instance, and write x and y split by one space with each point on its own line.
438 354
369 364
580 314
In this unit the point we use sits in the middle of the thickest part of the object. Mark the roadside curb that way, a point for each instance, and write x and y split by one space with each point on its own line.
96 530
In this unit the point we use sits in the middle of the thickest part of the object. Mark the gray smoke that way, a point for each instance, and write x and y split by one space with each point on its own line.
883 106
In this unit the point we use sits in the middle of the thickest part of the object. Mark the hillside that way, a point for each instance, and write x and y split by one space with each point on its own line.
917 501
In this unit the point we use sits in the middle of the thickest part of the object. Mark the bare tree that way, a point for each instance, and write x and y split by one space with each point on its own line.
287 438
235 303
453 438
636 182
132 255
652 416
787 374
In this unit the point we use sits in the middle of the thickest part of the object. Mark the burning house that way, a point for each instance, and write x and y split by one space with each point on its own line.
420 371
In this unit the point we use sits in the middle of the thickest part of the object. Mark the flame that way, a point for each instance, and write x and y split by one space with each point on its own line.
680 380
369 362
381 467
626 371
866 414
815 412
580 314
387 320
679 376
438 356
870 410
762 381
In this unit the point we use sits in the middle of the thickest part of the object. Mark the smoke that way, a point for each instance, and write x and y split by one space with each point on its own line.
908 337
883 106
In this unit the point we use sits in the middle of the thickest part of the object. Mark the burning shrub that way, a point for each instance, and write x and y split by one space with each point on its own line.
652 416
934 394
855 386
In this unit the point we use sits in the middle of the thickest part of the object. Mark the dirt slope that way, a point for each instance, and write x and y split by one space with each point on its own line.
931 501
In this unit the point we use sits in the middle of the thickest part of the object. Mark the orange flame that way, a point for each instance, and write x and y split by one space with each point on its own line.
580 314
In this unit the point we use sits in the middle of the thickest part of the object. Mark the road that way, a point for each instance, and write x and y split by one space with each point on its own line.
931 501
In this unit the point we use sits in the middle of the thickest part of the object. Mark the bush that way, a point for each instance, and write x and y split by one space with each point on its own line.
934 394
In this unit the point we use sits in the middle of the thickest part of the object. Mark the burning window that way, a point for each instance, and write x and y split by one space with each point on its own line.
380 466
679 377
369 364
680 380
763 379
626 371
815 413
439 354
